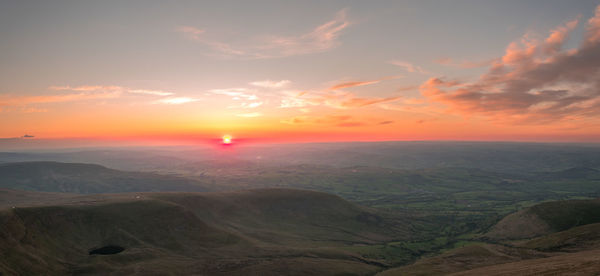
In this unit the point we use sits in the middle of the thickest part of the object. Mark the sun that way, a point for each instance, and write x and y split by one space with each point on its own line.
227 139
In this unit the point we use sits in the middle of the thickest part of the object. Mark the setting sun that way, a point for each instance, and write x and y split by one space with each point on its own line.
227 139
425 132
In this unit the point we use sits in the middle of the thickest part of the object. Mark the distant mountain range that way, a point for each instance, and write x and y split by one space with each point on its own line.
88 178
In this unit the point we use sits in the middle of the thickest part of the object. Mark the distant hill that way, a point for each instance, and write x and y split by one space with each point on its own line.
254 232
88 178
575 173
546 218
489 156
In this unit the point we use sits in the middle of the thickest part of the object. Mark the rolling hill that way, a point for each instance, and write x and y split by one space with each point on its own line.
578 238
546 218
88 178
550 238
254 232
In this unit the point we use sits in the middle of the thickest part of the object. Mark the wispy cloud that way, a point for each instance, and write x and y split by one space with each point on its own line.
350 84
334 99
149 92
191 32
535 81
350 101
177 100
409 66
246 105
23 104
21 109
114 88
113 91
320 39
10 100
243 98
86 88
293 99
328 120
236 93
271 84
335 120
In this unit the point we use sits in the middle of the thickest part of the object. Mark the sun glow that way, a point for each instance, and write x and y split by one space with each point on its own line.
227 139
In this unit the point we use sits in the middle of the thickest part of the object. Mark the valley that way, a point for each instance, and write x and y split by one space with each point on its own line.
237 216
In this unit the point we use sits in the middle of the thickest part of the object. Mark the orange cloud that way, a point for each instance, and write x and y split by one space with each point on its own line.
271 84
534 82
8 100
93 88
360 102
236 93
77 93
335 120
409 67
359 83
176 100
352 84
331 97
191 32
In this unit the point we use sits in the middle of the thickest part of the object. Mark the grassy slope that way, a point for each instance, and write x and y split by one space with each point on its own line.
546 218
580 263
259 231
578 238
463 258
570 226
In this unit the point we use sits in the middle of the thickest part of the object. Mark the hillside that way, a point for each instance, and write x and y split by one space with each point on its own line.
579 238
88 178
264 232
464 258
546 218
550 238
580 263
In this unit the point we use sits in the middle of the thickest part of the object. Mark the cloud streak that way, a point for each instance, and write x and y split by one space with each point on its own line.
322 38
271 84
335 120
236 93
350 84
176 100
409 67
9 100
68 93
334 99
114 88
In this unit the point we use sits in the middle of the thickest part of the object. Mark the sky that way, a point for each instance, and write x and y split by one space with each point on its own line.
300 71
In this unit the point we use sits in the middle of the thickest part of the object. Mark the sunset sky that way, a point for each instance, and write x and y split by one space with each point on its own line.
301 71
